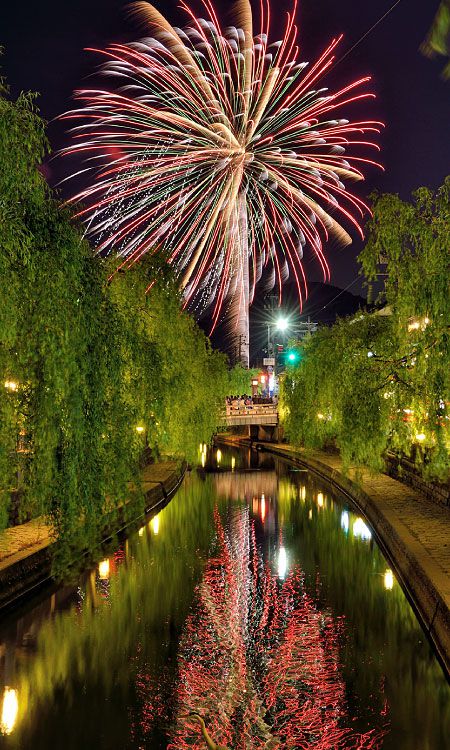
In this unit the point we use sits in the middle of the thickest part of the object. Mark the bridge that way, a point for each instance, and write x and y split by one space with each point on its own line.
261 420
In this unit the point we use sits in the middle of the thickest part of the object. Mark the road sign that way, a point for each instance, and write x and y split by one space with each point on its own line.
269 361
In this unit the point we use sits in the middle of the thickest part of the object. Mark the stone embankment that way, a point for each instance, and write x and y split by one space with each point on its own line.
26 550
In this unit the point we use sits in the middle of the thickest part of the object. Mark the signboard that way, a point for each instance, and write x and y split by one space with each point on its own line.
269 361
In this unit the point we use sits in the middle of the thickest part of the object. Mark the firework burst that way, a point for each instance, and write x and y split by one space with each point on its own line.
218 149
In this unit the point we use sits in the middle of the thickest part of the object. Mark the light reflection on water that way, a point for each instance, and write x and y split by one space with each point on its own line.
255 598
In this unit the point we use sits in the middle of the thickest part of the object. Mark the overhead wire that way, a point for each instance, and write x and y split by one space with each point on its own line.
366 33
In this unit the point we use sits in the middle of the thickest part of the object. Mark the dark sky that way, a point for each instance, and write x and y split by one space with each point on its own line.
44 42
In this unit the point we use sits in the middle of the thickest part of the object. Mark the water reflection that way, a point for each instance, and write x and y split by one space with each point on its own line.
260 657
388 579
255 598
10 708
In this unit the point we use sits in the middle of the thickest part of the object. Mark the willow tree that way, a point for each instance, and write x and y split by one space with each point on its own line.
380 381
92 368
410 242
55 354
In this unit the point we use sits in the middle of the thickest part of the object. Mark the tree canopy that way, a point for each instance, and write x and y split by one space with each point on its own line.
381 380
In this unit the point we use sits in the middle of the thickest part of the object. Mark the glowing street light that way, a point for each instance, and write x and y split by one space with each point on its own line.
154 523
103 570
282 323
10 709
388 579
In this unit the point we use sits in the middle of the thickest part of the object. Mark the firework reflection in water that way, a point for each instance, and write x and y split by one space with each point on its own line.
259 659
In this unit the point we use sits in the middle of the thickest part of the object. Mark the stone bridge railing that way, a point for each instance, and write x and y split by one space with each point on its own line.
259 414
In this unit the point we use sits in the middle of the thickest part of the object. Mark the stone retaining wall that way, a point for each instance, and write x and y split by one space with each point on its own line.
24 573
405 471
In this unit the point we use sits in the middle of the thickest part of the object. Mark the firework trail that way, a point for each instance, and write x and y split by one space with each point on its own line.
219 150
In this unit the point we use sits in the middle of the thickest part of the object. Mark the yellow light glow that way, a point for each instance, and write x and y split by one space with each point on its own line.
263 507
219 455
420 437
320 500
303 493
320 416
233 463
205 447
139 428
310 514
103 569
203 460
200 448
10 709
388 579
414 326
154 523
141 531
11 385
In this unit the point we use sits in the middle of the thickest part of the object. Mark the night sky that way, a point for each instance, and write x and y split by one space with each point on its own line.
44 51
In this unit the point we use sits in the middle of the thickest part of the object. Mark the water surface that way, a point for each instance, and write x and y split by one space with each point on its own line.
255 598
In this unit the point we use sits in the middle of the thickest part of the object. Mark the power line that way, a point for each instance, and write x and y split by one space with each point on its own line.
316 310
366 33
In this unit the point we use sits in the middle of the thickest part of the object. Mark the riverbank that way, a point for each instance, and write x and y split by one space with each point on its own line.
26 550
413 531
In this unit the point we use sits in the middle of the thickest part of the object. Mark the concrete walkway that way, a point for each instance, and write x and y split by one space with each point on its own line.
25 550
414 532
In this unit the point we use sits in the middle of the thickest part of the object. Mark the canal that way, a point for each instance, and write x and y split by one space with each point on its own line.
256 598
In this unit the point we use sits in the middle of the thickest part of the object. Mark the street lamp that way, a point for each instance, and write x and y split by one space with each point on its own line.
282 323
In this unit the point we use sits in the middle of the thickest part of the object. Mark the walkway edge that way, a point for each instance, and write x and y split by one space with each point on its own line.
430 606
24 573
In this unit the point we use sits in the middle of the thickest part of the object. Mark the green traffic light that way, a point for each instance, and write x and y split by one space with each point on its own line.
293 357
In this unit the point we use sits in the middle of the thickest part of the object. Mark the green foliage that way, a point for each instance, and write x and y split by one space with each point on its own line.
240 380
381 381
88 356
